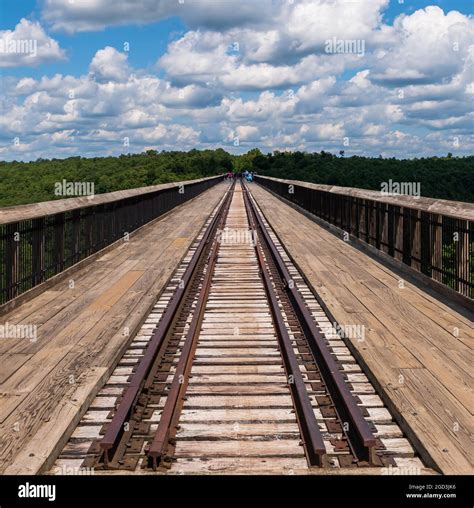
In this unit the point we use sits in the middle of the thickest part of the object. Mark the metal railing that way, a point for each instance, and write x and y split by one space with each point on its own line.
35 246
439 244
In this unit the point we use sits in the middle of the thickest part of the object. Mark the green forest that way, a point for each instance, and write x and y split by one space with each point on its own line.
28 182
440 177
31 182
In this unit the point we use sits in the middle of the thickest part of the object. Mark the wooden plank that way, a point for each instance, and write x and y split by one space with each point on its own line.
453 368
240 401
9 364
65 317
86 432
247 351
27 377
37 454
441 421
241 465
234 415
251 343
388 430
240 388
236 336
69 467
8 403
220 361
399 446
113 294
225 431
234 448
248 378
237 369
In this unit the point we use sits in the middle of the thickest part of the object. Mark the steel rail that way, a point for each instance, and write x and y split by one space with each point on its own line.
174 401
312 437
360 436
117 427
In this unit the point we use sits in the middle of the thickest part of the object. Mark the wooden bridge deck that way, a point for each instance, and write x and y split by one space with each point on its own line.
417 349
82 332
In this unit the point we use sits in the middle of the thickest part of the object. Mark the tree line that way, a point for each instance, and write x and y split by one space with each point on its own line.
31 182
439 177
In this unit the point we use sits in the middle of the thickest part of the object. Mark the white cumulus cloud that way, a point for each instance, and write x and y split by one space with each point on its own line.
28 45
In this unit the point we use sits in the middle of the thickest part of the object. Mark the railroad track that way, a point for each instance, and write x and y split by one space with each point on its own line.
237 368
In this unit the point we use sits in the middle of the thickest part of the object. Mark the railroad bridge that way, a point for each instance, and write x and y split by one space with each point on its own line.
336 338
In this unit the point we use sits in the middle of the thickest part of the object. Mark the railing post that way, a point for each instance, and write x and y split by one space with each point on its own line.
359 215
367 222
341 210
88 229
415 240
436 247
425 244
350 215
76 236
378 211
406 236
470 257
398 233
59 243
391 230
12 252
37 250
462 257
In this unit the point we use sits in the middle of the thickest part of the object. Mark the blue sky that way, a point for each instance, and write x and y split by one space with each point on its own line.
81 47
182 84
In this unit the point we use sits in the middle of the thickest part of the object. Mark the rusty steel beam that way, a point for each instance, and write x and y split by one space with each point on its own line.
312 437
115 430
357 429
157 452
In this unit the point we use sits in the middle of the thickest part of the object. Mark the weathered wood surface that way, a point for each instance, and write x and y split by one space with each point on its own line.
238 404
253 465
82 330
457 209
237 378
417 347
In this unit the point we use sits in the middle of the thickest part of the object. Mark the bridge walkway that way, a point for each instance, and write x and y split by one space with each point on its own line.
84 324
416 347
